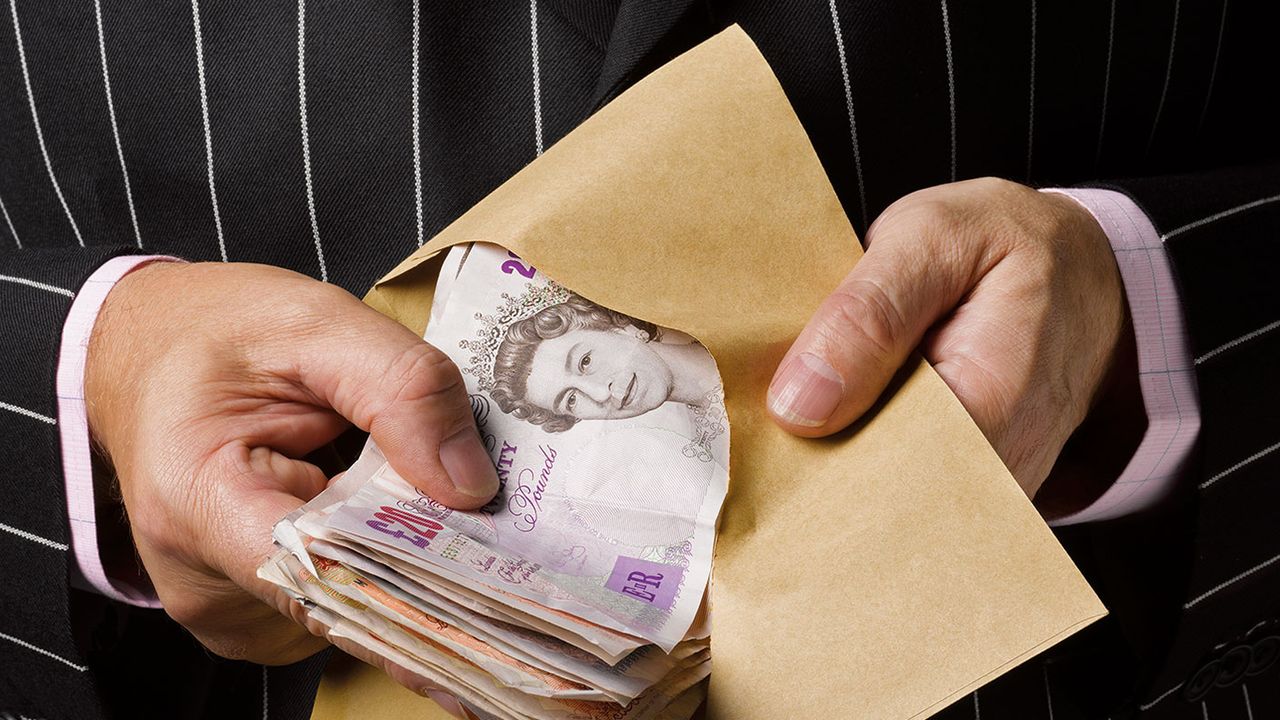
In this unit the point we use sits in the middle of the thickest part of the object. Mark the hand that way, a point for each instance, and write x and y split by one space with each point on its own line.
1012 294
207 383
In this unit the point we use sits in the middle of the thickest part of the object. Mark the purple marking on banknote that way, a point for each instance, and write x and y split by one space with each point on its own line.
649 582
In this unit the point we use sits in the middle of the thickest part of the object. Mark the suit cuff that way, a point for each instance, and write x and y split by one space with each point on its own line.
1165 368
73 427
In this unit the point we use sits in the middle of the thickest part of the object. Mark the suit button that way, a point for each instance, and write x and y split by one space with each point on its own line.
1202 682
1265 652
1233 665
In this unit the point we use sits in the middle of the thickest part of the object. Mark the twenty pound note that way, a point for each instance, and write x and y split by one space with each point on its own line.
611 443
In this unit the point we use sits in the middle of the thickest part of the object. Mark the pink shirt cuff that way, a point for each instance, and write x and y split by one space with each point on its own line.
73 427
1165 368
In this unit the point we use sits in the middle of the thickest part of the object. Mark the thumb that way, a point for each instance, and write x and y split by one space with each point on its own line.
410 397
863 332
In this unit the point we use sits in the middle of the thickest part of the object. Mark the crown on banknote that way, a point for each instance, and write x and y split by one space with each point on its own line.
493 328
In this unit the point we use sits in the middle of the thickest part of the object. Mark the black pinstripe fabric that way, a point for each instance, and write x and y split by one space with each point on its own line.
1167 93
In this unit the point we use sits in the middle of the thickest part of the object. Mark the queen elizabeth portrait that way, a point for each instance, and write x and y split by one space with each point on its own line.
575 360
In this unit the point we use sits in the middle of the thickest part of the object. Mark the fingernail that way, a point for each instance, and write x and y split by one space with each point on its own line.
468 465
446 701
805 391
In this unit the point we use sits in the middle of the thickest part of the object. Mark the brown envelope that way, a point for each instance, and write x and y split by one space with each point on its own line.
881 573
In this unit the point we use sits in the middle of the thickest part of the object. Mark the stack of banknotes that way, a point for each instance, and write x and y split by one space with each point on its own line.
579 591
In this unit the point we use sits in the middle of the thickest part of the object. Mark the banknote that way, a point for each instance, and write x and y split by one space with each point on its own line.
607 644
433 628
626 678
457 673
611 443
578 592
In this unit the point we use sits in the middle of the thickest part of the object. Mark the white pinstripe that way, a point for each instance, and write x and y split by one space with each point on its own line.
42 651
5 211
1031 111
1106 82
265 704
28 413
38 285
306 140
35 120
1223 585
1168 72
537 76
1248 706
115 129
1048 696
848 104
1242 339
1160 697
208 133
1218 216
951 86
1204 710
1213 74
977 709
417 122
37 539
1252 458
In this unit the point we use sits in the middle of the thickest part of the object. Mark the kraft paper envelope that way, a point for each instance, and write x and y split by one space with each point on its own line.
881 573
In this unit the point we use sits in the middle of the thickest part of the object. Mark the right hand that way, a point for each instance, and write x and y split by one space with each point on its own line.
205 386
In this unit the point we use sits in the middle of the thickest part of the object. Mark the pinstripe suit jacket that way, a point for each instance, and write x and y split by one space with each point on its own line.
237 131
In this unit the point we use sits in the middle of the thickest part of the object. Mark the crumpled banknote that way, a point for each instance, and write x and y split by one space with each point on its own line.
576 592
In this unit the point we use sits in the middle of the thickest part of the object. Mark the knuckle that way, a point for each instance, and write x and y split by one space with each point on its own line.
422 375
923 215
994 185
314 294
422 372
298 301
910 214
226 647
863 318
190 610
939 216
300 307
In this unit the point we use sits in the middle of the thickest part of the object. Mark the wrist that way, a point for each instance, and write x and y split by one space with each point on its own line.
1102 445
114 362
1105 304
104 556
1101 448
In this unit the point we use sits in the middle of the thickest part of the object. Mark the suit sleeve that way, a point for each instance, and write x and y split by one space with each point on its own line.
41 661
1221 231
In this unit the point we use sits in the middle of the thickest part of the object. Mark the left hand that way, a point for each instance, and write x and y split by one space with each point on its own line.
1012 294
